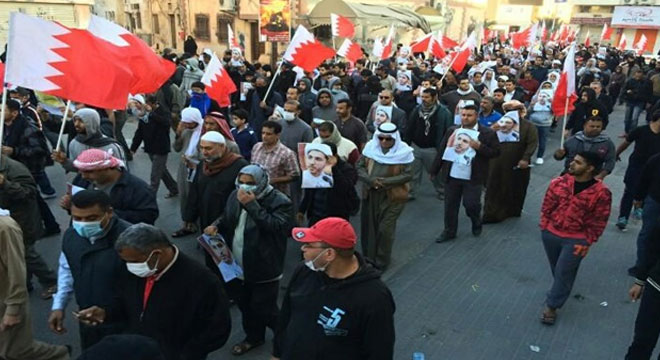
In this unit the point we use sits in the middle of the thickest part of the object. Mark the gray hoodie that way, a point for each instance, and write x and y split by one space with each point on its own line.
601 144
92 139
337 94
328 112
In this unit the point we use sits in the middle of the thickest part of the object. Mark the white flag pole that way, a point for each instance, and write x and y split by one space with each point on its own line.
64 119
563 125
448 68
2 115
272 81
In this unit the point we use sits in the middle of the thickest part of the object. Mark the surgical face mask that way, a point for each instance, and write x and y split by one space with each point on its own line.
142 269
311 266
88 229
288 116
248 187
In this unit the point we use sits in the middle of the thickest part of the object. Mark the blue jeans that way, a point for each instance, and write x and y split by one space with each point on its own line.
651 211
44 184
564 256
633 110
543 138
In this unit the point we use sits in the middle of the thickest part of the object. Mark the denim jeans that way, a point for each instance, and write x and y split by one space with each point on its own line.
651 211
543 138
633 110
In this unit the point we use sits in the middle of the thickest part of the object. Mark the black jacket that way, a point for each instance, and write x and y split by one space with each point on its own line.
208 195
155 132
341 200
650 265
131 198
28 142
490 148
357 315
267 228
440 120
583 111
187 312
94 267
641 91
18 194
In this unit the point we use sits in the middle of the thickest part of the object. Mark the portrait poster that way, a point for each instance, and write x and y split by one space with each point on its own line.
217 248
508 129
460 152
382 115
457 112
316 165
404 80
274 20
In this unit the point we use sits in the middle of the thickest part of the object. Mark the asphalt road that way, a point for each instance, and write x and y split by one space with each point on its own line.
473 298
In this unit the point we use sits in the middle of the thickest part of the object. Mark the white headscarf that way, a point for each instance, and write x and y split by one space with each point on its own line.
192 115
399 153
492 84
556 82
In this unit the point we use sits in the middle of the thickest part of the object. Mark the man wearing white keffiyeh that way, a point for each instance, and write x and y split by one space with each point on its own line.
385 170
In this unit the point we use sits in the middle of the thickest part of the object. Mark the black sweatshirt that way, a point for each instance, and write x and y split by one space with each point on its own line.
329 319
649 182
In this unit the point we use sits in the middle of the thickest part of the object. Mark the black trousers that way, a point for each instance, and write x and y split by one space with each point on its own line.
455 190
647 325
258 305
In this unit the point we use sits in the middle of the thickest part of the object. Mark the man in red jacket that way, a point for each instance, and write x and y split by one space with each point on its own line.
574 214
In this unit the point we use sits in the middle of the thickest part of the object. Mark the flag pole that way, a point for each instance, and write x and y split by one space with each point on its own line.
64 119
272 81
448 68
2 115
563 125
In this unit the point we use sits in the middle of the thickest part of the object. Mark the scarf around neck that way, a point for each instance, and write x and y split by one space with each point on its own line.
220 164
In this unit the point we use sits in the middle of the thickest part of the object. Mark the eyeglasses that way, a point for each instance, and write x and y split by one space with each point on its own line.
384 97
385 138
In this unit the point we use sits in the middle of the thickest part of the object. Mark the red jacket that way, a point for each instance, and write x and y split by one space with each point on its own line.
581 216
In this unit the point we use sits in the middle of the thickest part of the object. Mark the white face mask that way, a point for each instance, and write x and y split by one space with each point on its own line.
142 269
311 266
288 116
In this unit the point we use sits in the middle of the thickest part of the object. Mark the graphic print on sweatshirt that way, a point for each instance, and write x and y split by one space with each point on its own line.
330 322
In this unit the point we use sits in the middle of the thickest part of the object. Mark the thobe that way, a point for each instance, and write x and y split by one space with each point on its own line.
507 187
379 214
16 343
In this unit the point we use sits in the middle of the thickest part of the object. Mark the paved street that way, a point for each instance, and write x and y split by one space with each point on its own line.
472 298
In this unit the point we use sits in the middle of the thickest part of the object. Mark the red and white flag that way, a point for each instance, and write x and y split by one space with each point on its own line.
219 85
487 35
350 50
606 34
623 43
389 44
640 47
464 53
563 33
544 32
587 40
233 41
422 45
503 36
341 26
446 42
305 51
566 87
377 49
71 63
435 48
150 71
2 75
524 38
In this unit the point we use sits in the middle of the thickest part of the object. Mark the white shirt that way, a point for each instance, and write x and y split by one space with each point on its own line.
64 285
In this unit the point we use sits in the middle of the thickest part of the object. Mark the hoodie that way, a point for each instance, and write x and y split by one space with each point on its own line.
337 94
327 113
192 73
601 145
92 139
307 101
323 318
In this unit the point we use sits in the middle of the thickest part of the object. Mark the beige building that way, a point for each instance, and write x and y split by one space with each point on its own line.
73 13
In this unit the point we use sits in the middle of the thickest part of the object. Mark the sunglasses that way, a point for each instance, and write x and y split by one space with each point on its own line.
385 138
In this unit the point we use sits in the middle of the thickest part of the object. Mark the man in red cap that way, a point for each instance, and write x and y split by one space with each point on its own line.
336 306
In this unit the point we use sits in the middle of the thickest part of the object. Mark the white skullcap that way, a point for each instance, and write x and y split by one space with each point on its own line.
556 62
214 137
318 121
503 77
325 149
208 52
139 98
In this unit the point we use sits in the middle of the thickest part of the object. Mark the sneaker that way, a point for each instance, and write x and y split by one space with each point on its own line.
637 213
539 161
48 196
622 223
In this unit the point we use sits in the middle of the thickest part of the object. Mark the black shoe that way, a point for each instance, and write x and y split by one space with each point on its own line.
632 271
476 230
444 237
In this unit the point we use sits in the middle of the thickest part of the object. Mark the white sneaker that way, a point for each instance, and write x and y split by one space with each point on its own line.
539 161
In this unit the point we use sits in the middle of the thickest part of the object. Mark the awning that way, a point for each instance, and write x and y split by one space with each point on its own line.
368 13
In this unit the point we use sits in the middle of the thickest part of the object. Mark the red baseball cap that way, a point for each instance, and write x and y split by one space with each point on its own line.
334 231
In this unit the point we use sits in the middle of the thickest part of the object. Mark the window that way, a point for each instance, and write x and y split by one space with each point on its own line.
138 20
202 31
110 15
155 25
131 21
221 31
